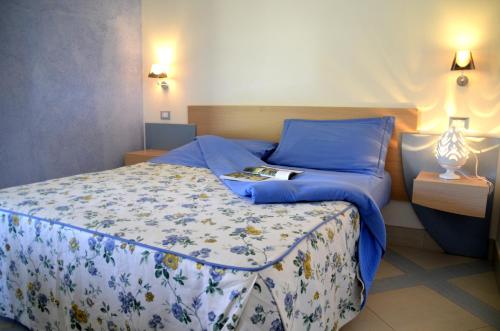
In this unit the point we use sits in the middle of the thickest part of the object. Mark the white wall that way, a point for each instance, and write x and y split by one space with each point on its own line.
325 52
388 53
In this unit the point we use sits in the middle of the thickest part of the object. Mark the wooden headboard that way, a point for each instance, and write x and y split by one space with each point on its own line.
266 122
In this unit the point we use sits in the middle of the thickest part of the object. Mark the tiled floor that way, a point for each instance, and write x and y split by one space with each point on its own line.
426 290
423 291
9 325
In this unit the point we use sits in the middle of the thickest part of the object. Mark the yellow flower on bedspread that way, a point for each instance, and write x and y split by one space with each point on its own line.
73 245
253 230
278 266
171 261
19 294
15 220
355 220
330 234
149 297
307 266
53 299
80 315
316 295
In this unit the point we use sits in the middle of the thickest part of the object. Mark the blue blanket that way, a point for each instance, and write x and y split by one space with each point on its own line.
224 156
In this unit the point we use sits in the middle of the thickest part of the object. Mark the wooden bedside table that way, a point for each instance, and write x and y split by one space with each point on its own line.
455 233
464 196
142 155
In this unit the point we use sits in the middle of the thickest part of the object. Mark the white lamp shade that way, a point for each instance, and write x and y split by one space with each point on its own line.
451 152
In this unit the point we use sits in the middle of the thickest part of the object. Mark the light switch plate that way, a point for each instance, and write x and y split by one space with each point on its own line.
165 115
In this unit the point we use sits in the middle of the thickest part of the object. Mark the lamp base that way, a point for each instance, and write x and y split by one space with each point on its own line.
449 174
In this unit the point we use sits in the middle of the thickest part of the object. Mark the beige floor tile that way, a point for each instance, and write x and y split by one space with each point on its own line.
386 270
366 320
420 308
397 235
430 259
429 243
482 286
4 326
8 324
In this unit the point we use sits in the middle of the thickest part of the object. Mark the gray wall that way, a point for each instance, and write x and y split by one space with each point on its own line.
70 87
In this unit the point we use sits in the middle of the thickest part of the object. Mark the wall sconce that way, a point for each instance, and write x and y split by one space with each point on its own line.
463 61
158 71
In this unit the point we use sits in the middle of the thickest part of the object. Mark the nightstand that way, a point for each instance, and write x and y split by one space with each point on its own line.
142 155
464 196
445 207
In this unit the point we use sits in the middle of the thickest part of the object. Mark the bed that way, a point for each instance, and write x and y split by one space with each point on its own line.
161 245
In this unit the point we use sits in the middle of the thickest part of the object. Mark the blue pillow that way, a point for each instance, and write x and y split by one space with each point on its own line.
357 145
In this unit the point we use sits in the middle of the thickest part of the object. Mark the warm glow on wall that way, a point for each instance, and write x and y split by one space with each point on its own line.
165 56
466 39
240 55
463 33
450 106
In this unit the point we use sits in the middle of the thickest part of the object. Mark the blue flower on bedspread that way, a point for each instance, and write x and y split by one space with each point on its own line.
202 253
156 323
175 239
109 246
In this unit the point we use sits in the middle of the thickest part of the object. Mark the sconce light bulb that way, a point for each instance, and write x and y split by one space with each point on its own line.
463 58
156 69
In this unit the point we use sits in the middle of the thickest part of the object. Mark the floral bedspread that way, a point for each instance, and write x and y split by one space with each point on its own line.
158 246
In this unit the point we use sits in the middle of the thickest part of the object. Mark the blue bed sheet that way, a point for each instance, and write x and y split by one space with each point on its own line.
379 188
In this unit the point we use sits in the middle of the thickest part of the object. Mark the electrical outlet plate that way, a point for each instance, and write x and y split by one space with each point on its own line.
165 115
459 122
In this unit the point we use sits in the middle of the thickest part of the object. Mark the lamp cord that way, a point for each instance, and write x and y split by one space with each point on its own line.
476 175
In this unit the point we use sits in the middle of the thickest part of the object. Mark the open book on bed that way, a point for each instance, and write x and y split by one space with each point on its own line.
258 174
